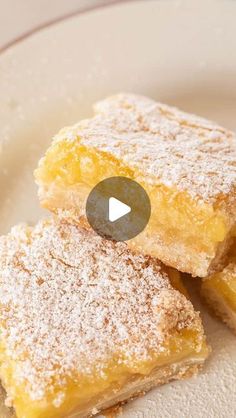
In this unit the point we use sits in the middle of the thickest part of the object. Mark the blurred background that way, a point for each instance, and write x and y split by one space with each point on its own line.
20 16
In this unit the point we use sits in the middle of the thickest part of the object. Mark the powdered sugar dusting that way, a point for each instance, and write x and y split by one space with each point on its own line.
71 301
165 145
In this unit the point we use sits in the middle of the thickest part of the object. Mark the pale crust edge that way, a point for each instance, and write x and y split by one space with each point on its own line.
141 385
137 388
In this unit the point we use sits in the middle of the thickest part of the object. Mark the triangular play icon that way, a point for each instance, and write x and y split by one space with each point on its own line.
117 209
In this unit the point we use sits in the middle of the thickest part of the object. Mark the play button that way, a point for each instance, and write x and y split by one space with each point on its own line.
118 208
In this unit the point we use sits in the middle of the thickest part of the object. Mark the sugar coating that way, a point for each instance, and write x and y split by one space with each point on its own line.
166 146
70 301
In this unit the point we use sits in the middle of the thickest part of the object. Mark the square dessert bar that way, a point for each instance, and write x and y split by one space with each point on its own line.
186 164
87 324
219 291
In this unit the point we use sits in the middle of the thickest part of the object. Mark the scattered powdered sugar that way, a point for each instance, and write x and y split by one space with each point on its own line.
71 301
163 144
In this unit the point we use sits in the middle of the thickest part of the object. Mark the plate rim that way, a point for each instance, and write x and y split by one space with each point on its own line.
64 17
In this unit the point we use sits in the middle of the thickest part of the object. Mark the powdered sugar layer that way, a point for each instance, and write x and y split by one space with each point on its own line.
71 301
164 144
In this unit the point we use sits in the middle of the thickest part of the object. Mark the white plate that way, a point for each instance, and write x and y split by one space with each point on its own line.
182 53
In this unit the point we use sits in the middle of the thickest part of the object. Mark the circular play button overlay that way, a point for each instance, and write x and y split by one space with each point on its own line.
118 208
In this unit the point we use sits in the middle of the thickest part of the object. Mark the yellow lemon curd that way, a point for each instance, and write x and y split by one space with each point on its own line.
175 216
82 391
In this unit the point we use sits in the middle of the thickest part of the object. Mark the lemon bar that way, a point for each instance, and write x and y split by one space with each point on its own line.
86 323
219 291
186 164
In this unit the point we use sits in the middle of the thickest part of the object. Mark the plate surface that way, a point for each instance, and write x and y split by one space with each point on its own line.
179 52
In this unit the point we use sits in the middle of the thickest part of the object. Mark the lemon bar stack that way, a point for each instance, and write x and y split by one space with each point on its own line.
89 323
186 164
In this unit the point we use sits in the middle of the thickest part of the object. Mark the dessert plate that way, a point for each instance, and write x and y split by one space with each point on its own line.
178 52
